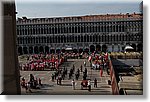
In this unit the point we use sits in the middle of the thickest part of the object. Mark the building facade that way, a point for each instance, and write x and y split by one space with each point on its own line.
110 32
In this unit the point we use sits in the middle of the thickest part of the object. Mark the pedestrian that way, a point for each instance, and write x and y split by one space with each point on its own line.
29 87
73 69
57 80
84 64
52 77
26 87
81 68
85 71
23 82
73 84
89 85
95 82
60 79
40 83
101 72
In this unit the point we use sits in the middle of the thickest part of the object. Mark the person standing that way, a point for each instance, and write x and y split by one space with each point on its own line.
89 85
95 82
28 87
57 80
40 83
81 68
52 77
84 64
73 84
101 72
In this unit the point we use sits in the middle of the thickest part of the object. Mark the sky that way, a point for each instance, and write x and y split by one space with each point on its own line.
59 8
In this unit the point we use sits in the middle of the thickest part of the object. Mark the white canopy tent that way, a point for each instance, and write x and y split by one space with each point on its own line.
68 49
128 48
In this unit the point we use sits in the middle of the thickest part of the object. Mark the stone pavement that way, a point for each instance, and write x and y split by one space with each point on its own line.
51 88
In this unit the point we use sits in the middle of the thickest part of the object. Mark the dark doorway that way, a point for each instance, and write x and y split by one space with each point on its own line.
86 50
92 48
134 47
36 50
52 51
25 50
80 50
98 48
58 51
20 51
41 49
63 50
46 49
140 47
75 51
104 48
30 50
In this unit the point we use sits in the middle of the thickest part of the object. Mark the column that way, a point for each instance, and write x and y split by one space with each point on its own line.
11 79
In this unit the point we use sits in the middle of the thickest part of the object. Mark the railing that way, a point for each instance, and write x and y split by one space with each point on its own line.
114 84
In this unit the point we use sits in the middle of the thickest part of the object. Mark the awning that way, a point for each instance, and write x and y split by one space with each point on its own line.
128 47
69 48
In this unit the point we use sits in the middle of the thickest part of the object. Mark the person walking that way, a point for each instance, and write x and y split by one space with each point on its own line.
95 82
73 84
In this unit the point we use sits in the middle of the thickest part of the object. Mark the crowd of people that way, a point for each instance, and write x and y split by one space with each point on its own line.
63 73
38 62
32 83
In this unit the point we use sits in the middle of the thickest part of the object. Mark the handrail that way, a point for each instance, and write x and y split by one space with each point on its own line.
114 84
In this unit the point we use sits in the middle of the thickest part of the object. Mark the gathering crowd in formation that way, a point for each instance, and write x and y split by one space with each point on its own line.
53 61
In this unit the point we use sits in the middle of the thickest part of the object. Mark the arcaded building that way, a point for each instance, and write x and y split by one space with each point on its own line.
110 32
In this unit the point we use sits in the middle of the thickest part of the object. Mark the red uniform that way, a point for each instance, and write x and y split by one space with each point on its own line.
101 72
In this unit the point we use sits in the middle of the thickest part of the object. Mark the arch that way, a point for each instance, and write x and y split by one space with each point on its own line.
134 47
57 50
46 49
25 50
92 48
20 51
140 47
41 49
30 50
104 48
63 50
75 51
52 50
80 50
86 50
36 50
98 48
